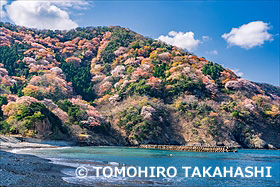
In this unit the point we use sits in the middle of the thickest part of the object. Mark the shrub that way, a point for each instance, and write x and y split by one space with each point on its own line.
229 106
213 70
28 115
3 101
195 108
159 70
4 127
75 113
235 114
144 124
182 84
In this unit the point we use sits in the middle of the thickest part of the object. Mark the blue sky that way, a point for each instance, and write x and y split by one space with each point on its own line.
257 61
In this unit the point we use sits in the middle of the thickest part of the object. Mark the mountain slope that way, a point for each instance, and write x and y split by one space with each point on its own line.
122 88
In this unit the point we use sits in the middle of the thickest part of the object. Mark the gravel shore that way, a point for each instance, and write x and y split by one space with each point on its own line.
28 170
21 145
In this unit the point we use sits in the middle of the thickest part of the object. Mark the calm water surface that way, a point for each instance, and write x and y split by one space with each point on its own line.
123 156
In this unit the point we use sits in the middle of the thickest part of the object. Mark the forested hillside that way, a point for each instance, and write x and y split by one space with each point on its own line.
116 87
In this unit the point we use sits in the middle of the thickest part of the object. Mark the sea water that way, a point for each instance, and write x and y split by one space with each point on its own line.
90 157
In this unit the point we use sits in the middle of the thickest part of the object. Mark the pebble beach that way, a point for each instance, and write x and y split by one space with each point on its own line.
28 170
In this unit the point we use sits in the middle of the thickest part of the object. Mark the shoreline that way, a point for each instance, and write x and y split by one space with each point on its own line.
29 170
24 145
18 142
189 148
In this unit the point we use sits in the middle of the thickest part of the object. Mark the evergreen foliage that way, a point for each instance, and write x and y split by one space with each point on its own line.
11 58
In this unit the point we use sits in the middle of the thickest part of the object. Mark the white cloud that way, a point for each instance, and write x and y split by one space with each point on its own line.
172 33
180 39
2 12
238 72
75 4
206 38
249 35
48 14
213 52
